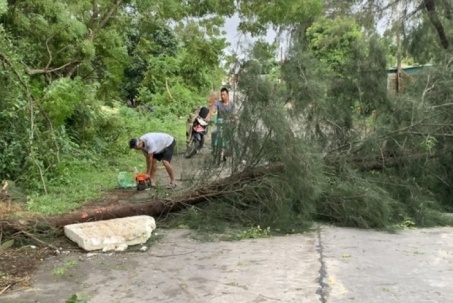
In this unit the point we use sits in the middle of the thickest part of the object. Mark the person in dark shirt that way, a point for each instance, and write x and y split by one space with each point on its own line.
224 108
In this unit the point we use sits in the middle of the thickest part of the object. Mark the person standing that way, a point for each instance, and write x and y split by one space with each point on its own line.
225 110
156 147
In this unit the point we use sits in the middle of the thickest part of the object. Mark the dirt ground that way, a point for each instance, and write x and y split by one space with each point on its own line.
18 264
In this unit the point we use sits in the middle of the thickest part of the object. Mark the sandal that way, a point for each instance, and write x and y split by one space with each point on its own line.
171 186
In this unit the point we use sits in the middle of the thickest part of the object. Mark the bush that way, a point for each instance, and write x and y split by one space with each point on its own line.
178 100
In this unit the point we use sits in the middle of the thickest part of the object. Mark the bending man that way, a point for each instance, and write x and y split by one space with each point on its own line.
156 147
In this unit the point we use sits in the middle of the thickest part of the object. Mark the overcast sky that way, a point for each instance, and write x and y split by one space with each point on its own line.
240 42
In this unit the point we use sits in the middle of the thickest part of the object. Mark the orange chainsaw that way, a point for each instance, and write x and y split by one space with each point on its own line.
143 181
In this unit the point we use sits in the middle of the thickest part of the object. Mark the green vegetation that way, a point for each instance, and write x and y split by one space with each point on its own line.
79 80
80 180
253 233
76 299
62 270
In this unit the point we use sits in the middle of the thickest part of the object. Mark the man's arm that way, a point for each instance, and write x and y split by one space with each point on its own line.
211 111
149 162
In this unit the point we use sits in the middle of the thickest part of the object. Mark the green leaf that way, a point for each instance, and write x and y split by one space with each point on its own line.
3 7
7 244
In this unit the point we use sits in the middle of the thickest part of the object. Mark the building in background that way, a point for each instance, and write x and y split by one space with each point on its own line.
407 73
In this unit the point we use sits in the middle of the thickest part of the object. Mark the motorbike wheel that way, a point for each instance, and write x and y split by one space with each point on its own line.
192 148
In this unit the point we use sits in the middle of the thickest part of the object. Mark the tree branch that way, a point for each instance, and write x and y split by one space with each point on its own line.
109 15
49 52
31 71
6 60
442 105
93 31
95 14
168 90
432 134
31 99
434 18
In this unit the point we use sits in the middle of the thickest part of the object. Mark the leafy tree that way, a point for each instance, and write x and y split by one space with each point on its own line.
265 54
422 24
333 41
257 15
146 41
381 154
62 62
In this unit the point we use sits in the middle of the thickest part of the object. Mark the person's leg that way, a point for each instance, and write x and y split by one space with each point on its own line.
213 138
170 172
166 159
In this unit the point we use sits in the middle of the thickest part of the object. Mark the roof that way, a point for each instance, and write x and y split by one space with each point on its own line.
410 70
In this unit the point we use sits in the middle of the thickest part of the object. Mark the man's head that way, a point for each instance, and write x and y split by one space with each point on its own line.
224 95
135 143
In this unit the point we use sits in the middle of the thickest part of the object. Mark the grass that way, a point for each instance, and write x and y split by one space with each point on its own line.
83 184
88 182
63 198
62 270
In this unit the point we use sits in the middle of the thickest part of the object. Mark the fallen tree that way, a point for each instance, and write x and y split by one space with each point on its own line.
218 189
152 208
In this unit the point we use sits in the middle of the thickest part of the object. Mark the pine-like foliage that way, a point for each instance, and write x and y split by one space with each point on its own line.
353 153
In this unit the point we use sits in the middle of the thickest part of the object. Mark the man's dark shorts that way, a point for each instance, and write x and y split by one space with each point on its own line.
166 154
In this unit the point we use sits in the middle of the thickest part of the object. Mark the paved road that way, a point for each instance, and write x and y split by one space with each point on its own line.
328 265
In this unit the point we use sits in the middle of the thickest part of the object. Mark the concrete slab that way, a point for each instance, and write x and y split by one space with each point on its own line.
375 267
114 234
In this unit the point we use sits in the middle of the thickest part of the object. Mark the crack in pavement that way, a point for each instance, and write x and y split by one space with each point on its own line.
323 286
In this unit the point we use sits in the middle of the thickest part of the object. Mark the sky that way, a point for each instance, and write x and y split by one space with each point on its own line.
241 42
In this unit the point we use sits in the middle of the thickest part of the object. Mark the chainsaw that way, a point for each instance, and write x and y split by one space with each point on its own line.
143 181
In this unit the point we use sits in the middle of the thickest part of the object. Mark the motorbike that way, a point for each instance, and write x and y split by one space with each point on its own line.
196 132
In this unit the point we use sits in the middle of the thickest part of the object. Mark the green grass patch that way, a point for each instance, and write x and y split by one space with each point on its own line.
85 169
61 198
81 180
63 269
83 184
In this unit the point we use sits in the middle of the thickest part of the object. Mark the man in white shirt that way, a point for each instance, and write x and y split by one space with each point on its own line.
156 147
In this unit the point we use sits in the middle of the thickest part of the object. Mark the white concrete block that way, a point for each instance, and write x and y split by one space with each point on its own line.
111 234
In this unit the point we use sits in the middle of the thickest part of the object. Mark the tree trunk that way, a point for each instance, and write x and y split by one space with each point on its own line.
434 18
151 208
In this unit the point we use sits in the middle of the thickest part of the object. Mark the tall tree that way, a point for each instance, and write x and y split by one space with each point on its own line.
61 61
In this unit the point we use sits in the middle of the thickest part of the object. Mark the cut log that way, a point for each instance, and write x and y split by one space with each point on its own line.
151 208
